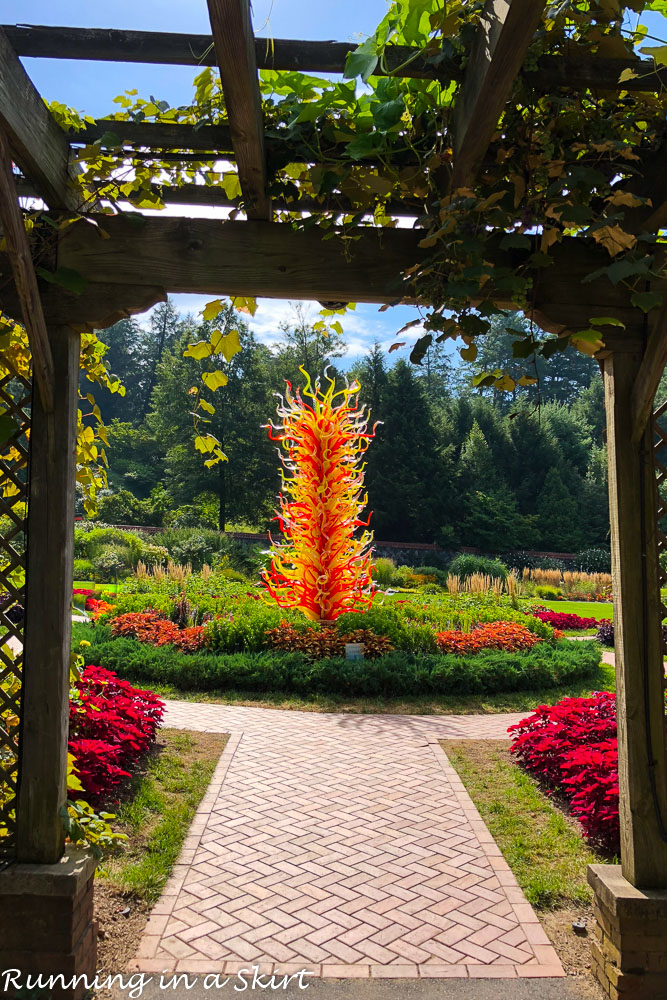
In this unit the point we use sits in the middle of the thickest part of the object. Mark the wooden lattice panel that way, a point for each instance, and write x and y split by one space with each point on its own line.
660 464
15 395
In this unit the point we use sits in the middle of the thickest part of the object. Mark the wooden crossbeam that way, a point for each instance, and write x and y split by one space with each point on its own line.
271 259
210 142
25 279
36 142
506 29
173 48
649 374
235 48
242 258
571 70
156 135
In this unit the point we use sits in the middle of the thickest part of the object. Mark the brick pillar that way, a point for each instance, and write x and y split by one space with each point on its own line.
629 950
46 921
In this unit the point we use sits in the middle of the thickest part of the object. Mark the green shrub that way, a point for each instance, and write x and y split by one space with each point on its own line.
203 512
527 560
466 564
383 572
154 555
435 571
83 569
396 675
594 561
192 545
549 593
112 561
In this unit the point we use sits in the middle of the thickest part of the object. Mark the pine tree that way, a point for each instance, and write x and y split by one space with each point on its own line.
407 487
558 515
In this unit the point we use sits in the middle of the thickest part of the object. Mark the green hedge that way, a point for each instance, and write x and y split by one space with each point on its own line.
397 674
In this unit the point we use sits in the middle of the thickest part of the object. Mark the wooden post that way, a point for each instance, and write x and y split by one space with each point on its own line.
638 639
48 622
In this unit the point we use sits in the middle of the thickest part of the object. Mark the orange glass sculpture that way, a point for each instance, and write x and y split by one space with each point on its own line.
320 566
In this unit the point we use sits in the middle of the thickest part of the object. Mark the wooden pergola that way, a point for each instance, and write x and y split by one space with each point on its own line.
135 266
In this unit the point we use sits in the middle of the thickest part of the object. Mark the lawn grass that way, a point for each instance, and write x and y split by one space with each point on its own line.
586 609
159 808
89 585
542 846
603 679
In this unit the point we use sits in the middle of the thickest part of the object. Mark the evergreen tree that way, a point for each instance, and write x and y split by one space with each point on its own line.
124 359
166 327
246 483
476 467
558 515
407 485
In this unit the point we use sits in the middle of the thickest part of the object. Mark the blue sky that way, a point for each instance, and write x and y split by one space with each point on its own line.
90 87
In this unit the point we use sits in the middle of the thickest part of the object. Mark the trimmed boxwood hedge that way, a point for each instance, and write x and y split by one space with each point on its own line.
397 674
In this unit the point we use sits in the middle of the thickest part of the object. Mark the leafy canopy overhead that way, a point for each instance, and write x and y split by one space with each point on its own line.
563 163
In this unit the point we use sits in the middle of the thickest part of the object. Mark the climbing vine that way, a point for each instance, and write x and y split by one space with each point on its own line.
16 360
563 164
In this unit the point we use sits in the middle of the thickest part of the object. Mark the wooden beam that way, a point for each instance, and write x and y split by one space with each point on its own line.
242 258
171 48
573 70
506 29
156 135
213 142
638 643
48 616
101 304
578 70
235 49
648 376
37 144
273 260
11 221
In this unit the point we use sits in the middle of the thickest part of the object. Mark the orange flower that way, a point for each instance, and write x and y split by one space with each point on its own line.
508 636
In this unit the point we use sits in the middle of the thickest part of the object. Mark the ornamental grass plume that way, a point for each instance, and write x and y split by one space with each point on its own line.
321 566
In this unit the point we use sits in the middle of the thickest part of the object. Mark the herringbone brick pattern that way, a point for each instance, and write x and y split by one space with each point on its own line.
344 844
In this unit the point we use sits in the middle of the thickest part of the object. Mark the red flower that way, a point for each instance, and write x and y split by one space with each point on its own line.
572 749
563 619
112 725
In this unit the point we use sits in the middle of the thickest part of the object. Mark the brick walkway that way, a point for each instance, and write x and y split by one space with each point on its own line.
344 844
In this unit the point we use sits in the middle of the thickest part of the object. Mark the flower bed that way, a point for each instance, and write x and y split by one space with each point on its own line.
572 749
392 675
112 725
158 631
317 644
98 607
236 620
507 636
605 633
564 620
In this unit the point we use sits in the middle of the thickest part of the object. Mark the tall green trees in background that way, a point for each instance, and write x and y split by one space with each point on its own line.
450 463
